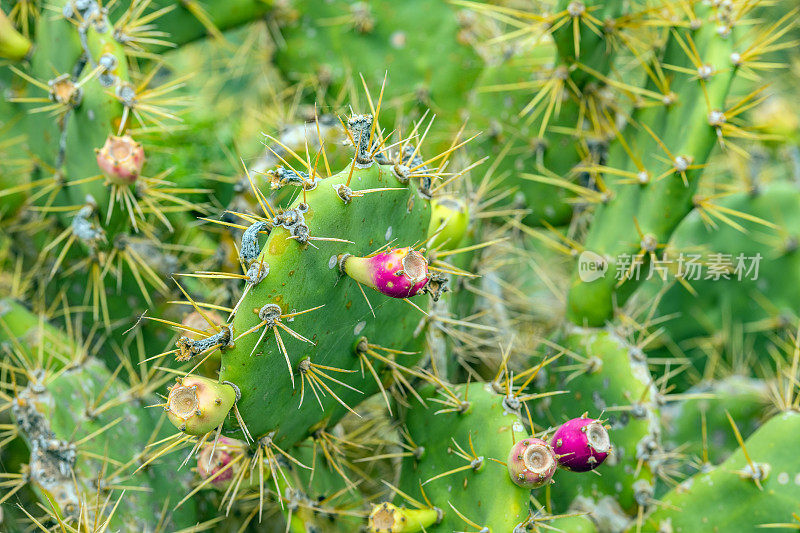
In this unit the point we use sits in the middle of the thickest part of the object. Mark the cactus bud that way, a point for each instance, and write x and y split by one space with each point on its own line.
197 405
121 159
214 457
531 463
398 273
449 221
388 518
581 444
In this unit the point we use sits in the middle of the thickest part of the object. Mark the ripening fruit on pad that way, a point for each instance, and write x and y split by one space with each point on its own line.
581 444
531 463
197 405
121 159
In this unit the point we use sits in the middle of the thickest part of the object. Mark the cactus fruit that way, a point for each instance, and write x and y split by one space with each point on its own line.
215 460
399 273
121 159
531 463
388 518
581 444
197 405
449 222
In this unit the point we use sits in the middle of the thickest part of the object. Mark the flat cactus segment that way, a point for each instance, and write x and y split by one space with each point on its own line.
706 407
191 20
457 466
612 382
304 276
750 490
639 216
417 42
755 293
75 418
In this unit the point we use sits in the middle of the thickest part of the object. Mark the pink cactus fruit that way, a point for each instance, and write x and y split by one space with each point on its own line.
212 459
121 159
531 463
581 444
399 273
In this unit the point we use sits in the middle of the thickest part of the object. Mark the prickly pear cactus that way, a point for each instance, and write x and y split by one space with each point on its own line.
330 266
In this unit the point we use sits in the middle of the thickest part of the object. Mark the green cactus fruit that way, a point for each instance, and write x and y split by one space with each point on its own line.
388 518
197 405
13 45
755 488
449 223
609 379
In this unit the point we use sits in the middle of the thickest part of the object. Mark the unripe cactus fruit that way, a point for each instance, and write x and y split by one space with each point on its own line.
121 159
581 444
531 463
449 222
388 518
197 405
214 458
399 273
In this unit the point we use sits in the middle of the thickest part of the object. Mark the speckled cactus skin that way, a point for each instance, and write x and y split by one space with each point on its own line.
399 273
727 497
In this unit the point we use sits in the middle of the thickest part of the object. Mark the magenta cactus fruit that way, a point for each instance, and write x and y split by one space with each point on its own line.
121 159
197 405
214 458
399 273
531 463
581 444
